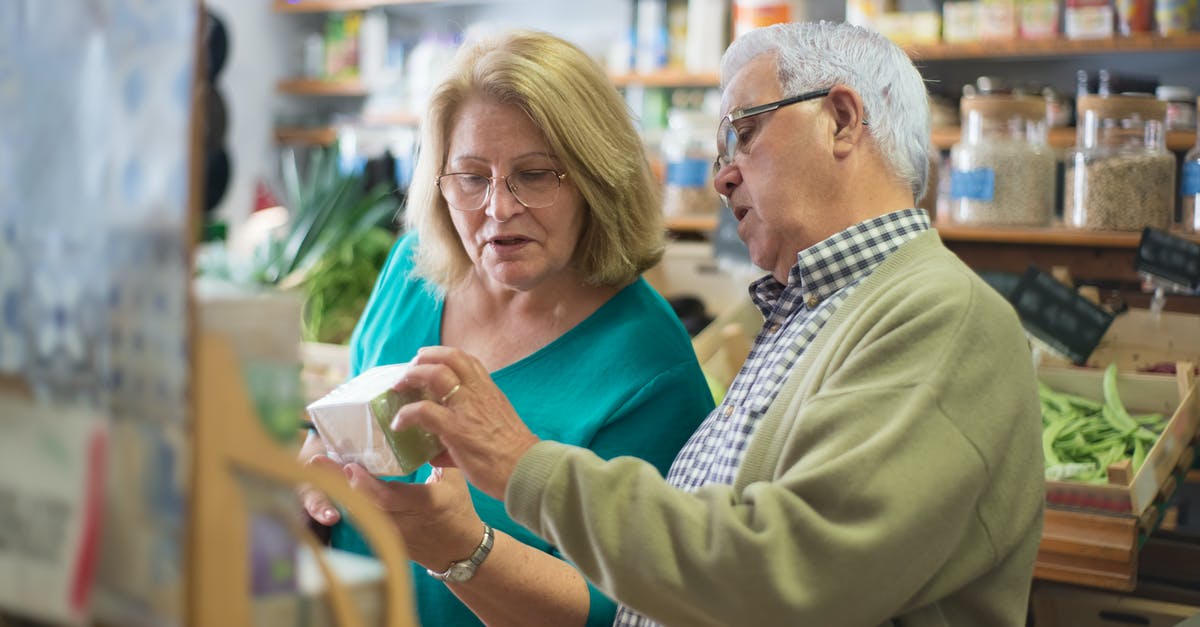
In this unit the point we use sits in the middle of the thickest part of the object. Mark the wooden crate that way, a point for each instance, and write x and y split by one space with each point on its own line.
1138 339
1170 455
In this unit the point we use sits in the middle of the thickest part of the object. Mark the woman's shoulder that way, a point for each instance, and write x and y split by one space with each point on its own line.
639 318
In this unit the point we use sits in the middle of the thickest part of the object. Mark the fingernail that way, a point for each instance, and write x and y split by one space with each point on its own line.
328 515
346 471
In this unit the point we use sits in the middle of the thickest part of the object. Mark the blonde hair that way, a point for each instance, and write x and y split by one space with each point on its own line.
589 131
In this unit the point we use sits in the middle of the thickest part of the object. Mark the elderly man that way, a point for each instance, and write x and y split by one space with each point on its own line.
877 459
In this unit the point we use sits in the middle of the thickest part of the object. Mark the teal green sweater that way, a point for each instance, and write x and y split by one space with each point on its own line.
895 479
625 381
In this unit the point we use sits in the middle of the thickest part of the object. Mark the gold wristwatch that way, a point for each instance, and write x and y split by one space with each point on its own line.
461 571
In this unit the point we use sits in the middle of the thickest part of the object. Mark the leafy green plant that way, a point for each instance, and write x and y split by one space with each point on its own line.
339 285
333 246
329 209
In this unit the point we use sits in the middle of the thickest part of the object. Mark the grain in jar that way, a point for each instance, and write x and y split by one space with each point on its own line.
689 151
1119 176
1190 188
1001 169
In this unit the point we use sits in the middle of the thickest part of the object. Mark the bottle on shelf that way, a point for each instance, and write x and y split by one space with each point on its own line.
1190 188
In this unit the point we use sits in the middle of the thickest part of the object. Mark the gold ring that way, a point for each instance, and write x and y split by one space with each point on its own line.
452 392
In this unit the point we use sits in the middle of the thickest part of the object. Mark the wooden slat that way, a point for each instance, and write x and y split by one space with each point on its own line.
1088 549
1086 534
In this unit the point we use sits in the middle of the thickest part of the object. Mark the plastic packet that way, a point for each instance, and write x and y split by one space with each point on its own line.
354 418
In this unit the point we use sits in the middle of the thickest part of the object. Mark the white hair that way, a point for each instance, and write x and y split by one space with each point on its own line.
817 55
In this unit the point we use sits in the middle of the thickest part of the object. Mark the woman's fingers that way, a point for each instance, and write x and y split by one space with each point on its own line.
318 506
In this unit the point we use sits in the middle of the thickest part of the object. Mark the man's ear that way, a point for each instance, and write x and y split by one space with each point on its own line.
847 109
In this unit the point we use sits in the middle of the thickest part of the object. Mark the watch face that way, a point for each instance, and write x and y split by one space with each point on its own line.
460 572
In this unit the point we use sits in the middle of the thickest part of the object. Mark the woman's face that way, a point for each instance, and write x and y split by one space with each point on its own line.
512 246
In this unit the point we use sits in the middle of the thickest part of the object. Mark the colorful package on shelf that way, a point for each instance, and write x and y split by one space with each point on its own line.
1038 19
1088 19
960 22
997 20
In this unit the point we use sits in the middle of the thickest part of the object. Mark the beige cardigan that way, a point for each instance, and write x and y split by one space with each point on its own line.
897 475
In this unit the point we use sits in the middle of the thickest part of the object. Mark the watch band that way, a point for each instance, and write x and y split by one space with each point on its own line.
464 570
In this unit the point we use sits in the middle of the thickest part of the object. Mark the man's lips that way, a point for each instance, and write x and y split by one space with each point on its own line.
740 212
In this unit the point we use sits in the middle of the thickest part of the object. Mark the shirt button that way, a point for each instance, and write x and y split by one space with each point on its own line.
728 411
812 301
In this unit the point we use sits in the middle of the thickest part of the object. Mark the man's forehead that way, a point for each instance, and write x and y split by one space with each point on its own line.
757 80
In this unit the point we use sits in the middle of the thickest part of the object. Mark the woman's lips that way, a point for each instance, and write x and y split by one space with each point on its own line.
740 212
508 242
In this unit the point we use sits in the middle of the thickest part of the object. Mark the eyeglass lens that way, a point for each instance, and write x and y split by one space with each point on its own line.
534 189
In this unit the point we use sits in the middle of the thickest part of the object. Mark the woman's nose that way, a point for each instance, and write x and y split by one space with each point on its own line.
503 204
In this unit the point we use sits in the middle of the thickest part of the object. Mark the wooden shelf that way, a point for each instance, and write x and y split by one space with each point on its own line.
667 78
705 224
322 87
321 136
1053 235
1057 47
1061 137
320 6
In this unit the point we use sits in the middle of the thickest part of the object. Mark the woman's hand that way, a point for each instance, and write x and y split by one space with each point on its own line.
436 520
483 435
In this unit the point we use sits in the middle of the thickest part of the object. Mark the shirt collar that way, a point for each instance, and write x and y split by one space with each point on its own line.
828 266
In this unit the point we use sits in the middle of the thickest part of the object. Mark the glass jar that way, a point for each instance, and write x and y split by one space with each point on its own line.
1181 106
1001 169
1119 176
1190 188
688 152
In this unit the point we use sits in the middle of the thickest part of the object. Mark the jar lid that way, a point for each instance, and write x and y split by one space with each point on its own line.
1028 107
1145 106
1173 93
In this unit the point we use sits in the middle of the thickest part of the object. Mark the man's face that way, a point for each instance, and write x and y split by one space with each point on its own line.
776 180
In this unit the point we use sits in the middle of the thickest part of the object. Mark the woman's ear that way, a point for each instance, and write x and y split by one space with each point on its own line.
848 115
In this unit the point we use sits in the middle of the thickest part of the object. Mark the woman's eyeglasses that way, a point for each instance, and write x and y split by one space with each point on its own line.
534 188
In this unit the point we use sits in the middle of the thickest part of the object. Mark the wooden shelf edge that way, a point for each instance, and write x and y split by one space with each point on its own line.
322 136
322 6
1024 48
944 137
697 224
1056 235
667 78
322 87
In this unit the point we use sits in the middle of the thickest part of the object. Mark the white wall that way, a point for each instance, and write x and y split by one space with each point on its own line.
260 44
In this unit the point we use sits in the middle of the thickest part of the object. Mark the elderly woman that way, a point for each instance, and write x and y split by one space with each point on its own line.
531 217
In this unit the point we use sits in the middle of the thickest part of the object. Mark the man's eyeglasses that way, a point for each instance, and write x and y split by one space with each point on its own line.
535 189
728 140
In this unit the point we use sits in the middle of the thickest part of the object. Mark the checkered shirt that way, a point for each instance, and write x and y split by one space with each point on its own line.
823 277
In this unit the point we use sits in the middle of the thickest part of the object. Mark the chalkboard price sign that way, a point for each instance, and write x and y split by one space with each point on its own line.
1169 257
1062 319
